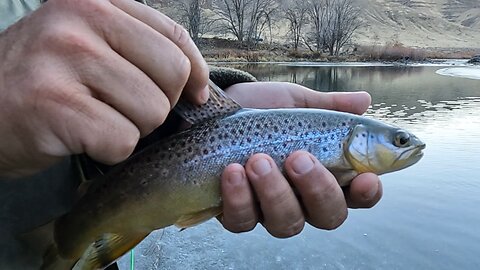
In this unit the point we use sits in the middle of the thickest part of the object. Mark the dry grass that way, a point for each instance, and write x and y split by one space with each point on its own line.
232 51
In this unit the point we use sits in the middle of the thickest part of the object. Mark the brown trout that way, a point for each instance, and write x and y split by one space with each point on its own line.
177 180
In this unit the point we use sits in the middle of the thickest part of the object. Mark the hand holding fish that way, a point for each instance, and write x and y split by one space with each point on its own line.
78 77
280 209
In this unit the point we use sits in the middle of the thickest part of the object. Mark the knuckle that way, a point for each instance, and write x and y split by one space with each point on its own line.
184 68
126 146
334 221
277 196
242 226
321 195
157 113
181 37
69 41
290 230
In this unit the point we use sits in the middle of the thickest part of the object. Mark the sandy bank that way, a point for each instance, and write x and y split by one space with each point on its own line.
461 72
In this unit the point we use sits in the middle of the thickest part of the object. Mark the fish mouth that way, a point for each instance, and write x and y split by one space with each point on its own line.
419 150
411 156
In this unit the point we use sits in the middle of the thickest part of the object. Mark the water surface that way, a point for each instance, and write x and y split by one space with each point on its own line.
429 215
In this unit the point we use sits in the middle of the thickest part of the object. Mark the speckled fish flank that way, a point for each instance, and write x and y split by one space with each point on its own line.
177 180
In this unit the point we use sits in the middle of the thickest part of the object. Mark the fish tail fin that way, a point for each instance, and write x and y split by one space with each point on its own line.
53 261
107 249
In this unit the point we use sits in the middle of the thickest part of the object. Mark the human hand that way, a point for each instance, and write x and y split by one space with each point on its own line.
81 77
259 191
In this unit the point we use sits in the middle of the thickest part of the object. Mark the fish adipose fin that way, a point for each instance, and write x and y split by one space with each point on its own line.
106 250
219 104
187 221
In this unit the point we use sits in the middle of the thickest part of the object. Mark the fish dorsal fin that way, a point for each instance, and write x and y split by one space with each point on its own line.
190 220
219 104
107 249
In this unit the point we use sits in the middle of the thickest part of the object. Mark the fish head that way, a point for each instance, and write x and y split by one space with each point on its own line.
381 148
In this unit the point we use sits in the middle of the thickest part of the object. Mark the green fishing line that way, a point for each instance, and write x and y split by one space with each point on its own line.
132 259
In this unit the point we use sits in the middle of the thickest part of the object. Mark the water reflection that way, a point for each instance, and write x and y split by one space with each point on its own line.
402 91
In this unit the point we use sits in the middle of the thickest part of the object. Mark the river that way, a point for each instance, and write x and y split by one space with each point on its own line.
429 216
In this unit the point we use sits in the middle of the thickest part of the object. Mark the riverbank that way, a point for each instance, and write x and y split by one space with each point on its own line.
224 50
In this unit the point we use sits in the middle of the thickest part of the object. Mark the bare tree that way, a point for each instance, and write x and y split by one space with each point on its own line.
233 12
296 15
247 19
334 23
346 23
192 16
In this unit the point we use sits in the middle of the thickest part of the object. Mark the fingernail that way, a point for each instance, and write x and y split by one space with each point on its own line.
302 164
235 178
370 194
262 167
204 95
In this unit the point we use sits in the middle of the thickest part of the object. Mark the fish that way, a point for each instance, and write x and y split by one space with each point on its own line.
176 180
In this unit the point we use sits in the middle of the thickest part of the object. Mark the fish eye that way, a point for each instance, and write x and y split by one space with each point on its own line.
402 139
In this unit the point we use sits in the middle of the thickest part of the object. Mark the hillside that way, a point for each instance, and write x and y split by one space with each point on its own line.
429 23
425 24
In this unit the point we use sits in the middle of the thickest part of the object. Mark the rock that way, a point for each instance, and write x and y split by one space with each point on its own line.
475 60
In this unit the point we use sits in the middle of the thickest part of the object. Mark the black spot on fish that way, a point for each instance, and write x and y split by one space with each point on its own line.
344 124
170 156
285 145
249 128
270 136
300 124
324 124
364 135
257 126
309 126
212 139
332 137
356 135
249 139
219 147
189 149
372 137
290 127
339 146
275 128
220 136
284 132
325 149
205 151
256 133
178 154
241 131
286 121
227 126
225 135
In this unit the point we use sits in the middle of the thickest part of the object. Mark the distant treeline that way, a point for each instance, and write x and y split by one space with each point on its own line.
319 25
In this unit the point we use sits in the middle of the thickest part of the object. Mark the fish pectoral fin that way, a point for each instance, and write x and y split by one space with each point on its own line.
107 249
191 220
